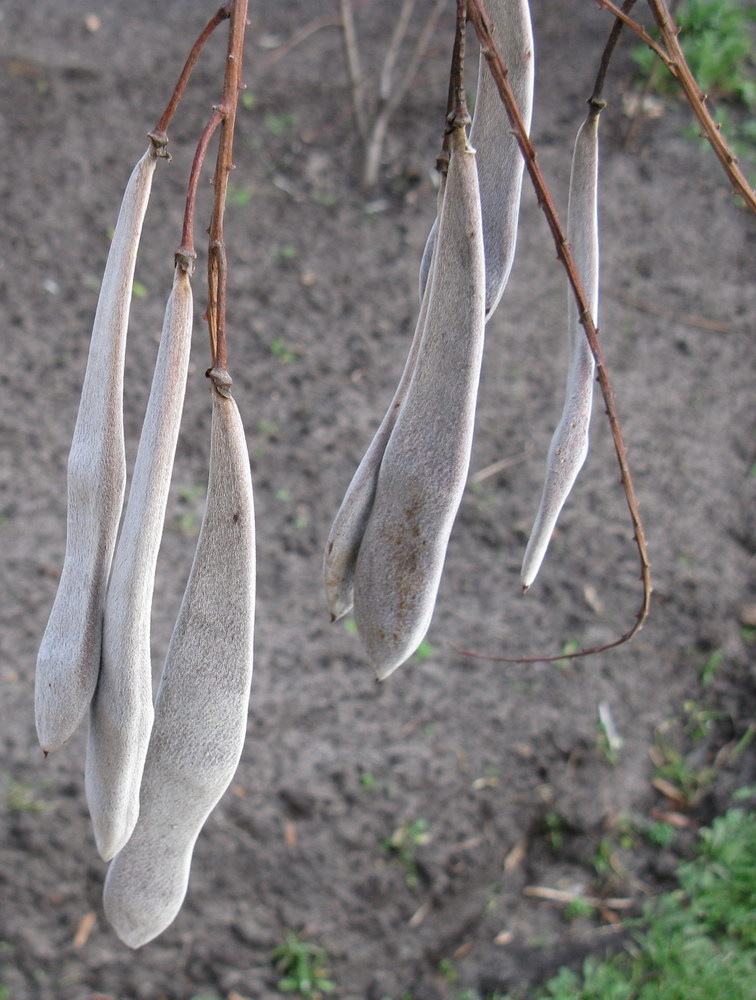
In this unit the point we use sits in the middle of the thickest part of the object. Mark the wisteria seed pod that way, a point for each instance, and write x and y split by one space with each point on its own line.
569 444
202 702
424 468
349 524
69 655
500 162
121 711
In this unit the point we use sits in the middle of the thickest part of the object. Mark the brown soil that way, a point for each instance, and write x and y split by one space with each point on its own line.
503 762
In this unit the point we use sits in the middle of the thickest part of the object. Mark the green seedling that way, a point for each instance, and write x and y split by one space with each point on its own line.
280 124
447 969
711 667
403 844
303 969
238 196
138 290
280 350
568 648
662 834
577 908
697 942
287 252
368 782
22 797
423 652
555 827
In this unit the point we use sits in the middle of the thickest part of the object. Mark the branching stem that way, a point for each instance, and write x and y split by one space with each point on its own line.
597 97
476 13
673 58
159 134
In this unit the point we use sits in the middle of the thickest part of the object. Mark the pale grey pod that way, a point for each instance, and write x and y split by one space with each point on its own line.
424 468
500 162
202 702
69 655
121 711
569 445
352 517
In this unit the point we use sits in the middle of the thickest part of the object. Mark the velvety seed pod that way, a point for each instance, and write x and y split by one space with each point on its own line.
202 702
69 655
569 445
352 517
424 468
121 711
500 162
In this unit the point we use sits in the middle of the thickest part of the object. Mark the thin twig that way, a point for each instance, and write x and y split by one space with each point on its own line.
378 129
186 252
270 59
392 52
685 319
216 265
499 71
597 97
674 59
353 66
159 133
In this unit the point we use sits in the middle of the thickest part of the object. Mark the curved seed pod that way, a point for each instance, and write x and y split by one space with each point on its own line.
424 468
201 710
121 711
352 517
569 445
69 655
500 162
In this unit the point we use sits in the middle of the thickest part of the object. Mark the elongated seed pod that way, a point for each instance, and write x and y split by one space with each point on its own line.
121 711
69 655
424 468
201 710
500 162
569 444
349 524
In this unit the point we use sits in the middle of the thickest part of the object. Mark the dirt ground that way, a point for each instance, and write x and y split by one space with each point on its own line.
503 763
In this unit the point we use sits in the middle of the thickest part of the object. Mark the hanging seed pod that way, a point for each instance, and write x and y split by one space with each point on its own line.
201 710
424 468
352 517
69 655
500 162
569 445
121 712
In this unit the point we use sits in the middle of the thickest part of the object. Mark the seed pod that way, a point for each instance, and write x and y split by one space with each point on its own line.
69 655
352 517
424 468
500 162
121 712
201 710
569 445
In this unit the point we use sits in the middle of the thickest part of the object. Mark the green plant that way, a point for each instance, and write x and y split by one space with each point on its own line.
22 797
717 39
448 970
302 965
403 844
555 826
697 942
280 350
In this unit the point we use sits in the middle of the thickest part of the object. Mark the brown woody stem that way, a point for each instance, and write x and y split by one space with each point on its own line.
216 264
597 97
476 13
159 133
673 58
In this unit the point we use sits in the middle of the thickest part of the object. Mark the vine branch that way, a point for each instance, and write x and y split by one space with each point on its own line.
159 134
674 59
477 15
